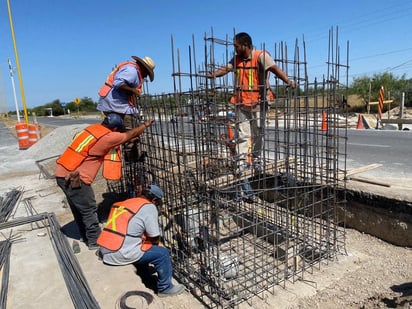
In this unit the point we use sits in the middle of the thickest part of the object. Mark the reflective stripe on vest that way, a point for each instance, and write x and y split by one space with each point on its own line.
112 164
108 85
247 87
79 148
115 230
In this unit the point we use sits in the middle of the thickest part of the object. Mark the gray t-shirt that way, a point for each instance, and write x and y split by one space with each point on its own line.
146 220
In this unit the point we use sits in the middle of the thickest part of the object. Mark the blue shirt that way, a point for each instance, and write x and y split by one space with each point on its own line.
117 100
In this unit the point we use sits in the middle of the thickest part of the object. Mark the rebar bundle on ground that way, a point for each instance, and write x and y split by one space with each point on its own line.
235 233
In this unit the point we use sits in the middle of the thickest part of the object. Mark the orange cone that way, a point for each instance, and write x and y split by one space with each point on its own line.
230 133
360 122
324 122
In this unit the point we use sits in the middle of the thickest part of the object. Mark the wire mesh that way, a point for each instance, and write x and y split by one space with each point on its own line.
235 233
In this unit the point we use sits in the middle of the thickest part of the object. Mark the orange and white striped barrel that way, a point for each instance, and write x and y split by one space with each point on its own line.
22 135
33 135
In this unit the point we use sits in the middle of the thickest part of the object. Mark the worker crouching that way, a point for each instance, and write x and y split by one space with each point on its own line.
132 234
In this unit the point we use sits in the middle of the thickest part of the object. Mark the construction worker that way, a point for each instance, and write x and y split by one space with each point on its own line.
123 85
251 95
79 164
120 92
131 236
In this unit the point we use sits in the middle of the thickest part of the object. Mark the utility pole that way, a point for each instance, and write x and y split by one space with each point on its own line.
23 98
3 95
14 90
368 107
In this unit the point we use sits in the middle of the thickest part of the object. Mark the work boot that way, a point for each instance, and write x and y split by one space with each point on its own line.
93 247
174 290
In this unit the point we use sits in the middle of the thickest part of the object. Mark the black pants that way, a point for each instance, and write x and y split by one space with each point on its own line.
83 205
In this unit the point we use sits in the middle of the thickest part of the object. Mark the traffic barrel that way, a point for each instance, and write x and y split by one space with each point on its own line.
33 135
22 135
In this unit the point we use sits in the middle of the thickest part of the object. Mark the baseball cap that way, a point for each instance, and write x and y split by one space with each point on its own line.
112 121
155 190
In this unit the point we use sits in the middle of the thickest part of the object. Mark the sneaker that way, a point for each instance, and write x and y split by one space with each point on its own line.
99 254
174 290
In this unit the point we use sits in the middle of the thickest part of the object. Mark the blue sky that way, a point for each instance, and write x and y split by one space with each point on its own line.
67 48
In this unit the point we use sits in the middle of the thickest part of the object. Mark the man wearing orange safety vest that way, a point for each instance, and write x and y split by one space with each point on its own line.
131 236
119 94
79 164
123 85
251 95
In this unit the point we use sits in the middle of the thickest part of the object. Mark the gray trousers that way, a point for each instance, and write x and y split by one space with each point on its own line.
250 130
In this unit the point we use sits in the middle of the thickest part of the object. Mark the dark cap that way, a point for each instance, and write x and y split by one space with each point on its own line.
112 121
155 190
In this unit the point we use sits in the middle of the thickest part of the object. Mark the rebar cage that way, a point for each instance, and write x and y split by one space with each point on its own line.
236 233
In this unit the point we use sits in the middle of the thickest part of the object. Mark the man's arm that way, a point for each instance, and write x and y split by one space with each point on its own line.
219 72
282 75
130 90
138 130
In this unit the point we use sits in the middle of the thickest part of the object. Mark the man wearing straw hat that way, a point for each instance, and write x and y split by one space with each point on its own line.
120 92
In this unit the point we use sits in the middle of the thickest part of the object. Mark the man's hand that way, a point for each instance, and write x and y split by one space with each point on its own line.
291 83
148 123
137 91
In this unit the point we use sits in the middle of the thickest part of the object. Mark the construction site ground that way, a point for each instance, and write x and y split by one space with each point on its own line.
370 273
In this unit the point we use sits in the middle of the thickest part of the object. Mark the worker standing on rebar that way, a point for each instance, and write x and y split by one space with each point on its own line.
132 236
122 88
79 164
251 95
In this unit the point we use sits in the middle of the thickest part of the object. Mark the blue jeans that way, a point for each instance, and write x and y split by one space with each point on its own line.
159 257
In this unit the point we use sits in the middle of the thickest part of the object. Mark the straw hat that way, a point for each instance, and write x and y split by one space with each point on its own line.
148 64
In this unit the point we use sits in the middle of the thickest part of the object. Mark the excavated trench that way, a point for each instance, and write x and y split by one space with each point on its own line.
387 218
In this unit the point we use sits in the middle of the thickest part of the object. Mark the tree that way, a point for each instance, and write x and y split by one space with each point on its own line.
393 86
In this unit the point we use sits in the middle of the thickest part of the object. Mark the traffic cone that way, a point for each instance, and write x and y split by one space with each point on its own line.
230 133
324 122
360 122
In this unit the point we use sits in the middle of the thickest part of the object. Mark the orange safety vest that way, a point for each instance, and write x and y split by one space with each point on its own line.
108 85
112 164
247 89
115 230
79 148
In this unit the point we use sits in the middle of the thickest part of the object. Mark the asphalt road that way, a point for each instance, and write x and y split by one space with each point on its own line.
391 148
